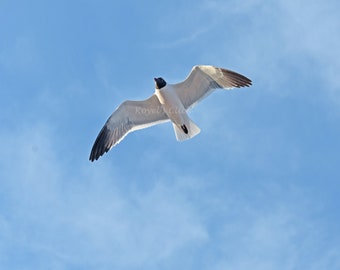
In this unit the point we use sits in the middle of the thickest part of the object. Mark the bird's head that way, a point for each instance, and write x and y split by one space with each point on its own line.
160 82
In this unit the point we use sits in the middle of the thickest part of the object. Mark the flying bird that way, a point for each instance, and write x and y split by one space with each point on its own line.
170 102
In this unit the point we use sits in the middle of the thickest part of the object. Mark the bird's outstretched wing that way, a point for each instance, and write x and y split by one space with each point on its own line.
129 116
202 80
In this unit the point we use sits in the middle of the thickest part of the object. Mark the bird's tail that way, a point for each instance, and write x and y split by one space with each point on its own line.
192 130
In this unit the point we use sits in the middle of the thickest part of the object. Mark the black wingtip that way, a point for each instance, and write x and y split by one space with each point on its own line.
91 158
238 80
101 145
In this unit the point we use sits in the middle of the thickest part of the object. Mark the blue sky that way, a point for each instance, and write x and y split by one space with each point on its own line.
256 189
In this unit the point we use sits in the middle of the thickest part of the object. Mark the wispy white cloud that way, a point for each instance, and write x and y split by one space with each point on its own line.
84 217
278 40
311 29
182 39
185 26
284 234
89 215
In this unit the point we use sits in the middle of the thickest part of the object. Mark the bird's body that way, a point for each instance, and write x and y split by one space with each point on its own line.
170 102
174 109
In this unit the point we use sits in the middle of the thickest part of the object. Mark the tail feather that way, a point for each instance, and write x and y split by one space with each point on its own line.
193 130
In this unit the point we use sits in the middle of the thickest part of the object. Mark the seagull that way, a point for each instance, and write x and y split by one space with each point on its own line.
170 102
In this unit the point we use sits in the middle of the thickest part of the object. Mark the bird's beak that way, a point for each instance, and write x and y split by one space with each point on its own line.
155 79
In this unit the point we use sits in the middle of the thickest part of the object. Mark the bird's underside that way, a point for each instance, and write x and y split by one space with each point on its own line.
169 103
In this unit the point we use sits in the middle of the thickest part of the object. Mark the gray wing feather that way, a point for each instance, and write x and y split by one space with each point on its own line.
202 80
129 116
